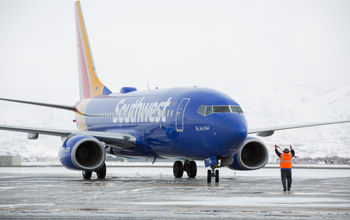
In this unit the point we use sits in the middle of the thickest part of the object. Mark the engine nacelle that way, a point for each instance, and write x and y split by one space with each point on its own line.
253 155
82 152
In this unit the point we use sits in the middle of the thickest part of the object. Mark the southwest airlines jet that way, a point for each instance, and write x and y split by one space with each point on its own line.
186 123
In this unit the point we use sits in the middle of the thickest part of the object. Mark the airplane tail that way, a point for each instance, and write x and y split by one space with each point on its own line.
90 85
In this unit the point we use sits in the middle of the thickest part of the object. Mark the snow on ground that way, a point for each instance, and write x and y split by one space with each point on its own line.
153 193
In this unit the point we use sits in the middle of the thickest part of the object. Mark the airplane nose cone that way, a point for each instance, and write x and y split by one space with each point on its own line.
239 129
242 130
233 131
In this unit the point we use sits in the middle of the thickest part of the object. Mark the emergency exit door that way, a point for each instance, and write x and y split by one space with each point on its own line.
180 114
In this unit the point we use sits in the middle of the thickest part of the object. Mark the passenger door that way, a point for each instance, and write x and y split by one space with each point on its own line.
180 114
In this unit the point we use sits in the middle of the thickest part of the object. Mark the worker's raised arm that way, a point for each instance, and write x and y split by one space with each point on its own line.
277 152
292 151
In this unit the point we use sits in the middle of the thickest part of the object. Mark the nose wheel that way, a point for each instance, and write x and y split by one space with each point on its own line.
213 173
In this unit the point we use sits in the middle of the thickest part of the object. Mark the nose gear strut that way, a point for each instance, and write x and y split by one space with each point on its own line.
213 163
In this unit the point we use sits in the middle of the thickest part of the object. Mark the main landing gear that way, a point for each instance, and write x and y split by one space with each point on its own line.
189 166
101 173
213 173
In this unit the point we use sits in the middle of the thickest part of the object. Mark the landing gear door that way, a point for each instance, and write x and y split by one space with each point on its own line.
180 114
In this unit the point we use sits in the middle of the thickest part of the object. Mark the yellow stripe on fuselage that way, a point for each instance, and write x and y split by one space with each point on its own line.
80 118
96 86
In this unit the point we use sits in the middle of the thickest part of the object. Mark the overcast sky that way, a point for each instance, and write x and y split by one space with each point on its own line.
217 44
243 48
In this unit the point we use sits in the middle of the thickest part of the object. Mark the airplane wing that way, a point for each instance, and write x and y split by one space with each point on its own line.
65 107
265 132
122 140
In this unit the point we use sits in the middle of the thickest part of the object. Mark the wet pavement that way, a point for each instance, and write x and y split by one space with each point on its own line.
153 193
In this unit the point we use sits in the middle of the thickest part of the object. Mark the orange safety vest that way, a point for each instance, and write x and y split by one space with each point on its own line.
286 160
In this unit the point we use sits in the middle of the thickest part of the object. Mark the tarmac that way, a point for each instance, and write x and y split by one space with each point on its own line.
153 193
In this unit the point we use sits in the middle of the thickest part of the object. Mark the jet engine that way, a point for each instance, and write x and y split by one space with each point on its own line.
252 155
82 152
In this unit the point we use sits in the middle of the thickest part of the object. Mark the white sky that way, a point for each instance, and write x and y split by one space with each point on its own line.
240 47
217 44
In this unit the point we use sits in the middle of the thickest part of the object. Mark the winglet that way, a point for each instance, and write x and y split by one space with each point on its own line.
90 85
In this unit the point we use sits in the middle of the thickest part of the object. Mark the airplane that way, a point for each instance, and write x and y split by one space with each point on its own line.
189 123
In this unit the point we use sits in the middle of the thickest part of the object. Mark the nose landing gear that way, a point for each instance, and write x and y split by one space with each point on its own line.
215 162
213 173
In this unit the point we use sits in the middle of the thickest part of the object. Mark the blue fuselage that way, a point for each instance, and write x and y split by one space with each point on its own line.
168 123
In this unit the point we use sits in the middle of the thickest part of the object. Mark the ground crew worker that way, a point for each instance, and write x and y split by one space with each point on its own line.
286 166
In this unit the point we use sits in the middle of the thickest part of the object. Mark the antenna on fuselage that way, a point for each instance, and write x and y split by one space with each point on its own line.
148 86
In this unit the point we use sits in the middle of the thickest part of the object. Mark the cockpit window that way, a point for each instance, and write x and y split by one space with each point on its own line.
206 110
236 109
201 110
221 109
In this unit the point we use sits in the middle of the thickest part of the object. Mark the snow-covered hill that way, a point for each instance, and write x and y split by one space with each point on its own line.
295 105
46 147
263 107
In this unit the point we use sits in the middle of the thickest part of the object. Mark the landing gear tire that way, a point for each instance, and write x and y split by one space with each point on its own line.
216 176
86 174
191 168
214 173
209 176
178 169
101 173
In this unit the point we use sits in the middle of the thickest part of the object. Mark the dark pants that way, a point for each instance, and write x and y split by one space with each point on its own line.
286 174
